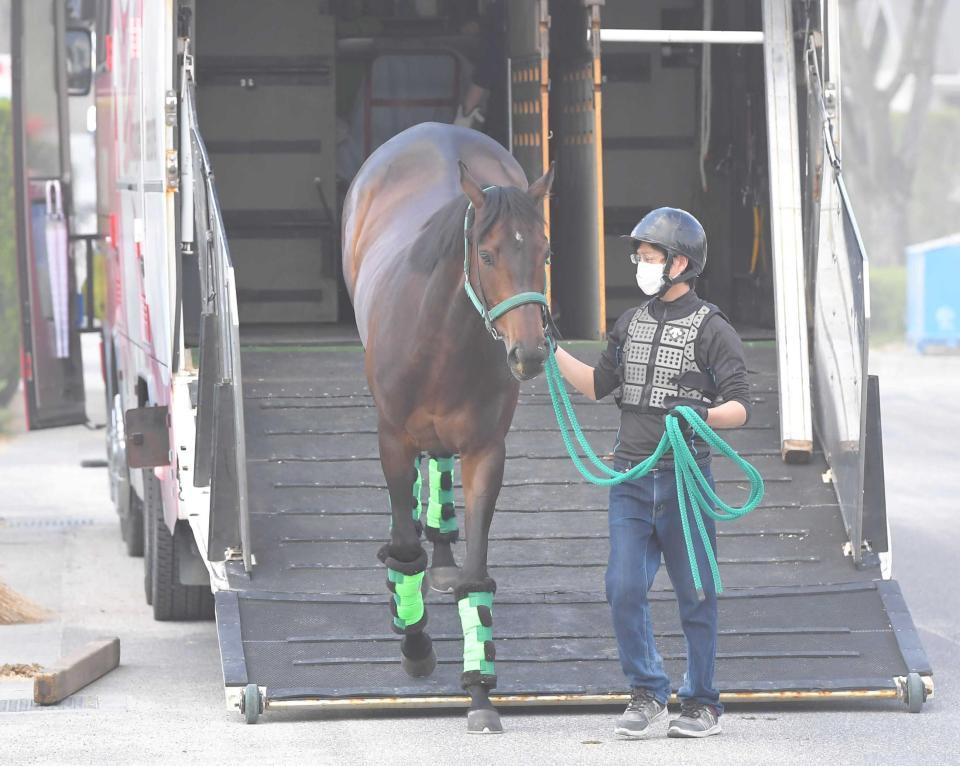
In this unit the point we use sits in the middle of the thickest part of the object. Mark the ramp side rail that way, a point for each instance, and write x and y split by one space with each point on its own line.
841 308
220 456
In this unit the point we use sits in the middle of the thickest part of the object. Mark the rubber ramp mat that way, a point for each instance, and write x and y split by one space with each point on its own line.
312 619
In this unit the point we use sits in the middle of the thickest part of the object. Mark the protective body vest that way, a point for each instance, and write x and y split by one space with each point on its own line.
659 360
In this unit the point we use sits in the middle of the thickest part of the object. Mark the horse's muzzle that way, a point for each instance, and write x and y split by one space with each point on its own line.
526 362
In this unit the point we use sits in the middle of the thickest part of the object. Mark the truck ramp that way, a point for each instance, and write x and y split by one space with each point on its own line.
310 625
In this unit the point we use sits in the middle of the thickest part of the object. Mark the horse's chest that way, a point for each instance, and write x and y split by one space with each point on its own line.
458 420
442 399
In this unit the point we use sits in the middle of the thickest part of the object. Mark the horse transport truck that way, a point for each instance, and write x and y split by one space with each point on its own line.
241 436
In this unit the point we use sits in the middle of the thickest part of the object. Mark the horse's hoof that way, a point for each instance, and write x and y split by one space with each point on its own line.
443 579
419 668
484 721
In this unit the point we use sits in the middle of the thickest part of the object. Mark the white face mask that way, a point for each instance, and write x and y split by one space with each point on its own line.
650 277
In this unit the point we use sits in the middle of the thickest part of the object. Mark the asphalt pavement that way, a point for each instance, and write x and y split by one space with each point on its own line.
60 546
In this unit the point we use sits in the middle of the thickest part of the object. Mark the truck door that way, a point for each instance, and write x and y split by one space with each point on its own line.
51 365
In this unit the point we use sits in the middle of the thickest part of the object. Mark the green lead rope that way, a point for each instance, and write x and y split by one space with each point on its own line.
692 485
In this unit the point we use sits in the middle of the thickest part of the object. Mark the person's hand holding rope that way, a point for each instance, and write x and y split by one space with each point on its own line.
671 403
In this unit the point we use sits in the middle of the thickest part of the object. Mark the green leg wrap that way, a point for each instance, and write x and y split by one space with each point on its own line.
407 607
476 619
441 511
417 486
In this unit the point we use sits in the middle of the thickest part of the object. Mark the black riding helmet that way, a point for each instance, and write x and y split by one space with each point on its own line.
677 232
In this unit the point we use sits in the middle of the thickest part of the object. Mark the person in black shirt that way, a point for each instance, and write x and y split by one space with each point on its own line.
673 349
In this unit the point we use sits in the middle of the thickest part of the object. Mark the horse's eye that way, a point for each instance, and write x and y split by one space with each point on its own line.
486 257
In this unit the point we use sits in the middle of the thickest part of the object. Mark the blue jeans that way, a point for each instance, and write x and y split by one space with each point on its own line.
645 523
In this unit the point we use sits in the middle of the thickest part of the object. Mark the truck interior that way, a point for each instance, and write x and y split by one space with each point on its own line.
684 126
293 96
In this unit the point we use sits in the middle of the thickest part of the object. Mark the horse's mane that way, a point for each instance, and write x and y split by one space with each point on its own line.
442 235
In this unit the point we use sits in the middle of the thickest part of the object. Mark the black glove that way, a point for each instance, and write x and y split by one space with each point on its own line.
671 403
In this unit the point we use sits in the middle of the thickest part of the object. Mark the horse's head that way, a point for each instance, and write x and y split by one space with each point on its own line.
507 257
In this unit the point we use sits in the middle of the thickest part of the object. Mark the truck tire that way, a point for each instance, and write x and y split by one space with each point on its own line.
151 494
131 525
129 506
171 600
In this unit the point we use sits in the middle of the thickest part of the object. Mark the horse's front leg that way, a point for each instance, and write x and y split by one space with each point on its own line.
404 556
482 476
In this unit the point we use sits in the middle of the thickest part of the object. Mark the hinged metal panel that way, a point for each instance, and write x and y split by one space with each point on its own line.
209 375
148 436
875 527
170 108
224 488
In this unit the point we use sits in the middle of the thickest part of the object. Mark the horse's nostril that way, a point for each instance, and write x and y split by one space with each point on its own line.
527 357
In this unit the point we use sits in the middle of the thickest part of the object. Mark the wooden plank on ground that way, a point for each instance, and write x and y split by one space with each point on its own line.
76 670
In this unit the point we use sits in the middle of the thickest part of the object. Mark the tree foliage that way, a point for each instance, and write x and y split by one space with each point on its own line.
881 153
935 206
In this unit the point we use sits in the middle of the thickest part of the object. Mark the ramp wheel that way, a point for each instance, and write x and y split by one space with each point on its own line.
915 693
252 703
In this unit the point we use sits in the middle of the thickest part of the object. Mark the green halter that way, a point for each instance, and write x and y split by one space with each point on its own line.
489 316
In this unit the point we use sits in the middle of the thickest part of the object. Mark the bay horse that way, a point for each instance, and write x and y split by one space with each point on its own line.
433 211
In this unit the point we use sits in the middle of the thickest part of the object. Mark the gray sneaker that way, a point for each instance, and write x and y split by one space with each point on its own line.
642 712
696 720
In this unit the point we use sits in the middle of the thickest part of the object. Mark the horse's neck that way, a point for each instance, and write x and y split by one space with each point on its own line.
448 310
449 314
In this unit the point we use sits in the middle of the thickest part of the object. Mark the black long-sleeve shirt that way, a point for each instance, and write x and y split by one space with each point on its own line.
718 352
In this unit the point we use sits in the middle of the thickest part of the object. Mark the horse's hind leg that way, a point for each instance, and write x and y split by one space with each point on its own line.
441 525
405 558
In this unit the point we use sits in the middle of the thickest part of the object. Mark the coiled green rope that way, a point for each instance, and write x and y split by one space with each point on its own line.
692 485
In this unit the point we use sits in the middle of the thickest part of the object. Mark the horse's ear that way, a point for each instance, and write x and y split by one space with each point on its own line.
470 186
541 187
